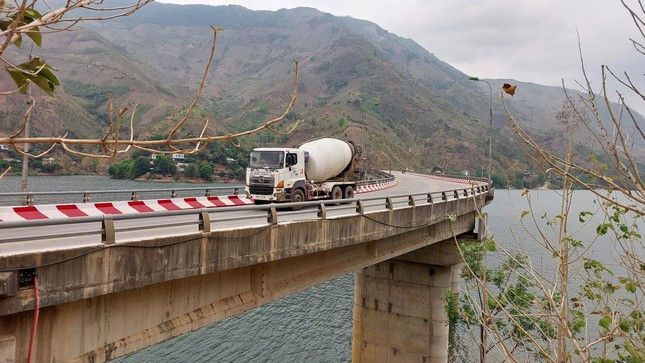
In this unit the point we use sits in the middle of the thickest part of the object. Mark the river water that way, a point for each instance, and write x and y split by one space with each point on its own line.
316 325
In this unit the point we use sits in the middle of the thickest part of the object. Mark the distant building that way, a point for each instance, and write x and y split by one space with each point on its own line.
4 147
175 157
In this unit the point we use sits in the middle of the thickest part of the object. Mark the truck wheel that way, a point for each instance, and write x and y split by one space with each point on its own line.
349 192
336 193
296 197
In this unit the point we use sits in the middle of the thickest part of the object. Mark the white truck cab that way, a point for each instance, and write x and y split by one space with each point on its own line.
273 172
318 169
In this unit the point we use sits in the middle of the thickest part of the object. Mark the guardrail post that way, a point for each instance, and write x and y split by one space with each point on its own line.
444 196
108 235
429 198
133 196
411 201
208 193
456 194
322 211
388 203
86 198
466 193
173 194
272 215
360 208
204 222
30 199
236 191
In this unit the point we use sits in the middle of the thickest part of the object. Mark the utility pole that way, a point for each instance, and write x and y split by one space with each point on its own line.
25 157
365 142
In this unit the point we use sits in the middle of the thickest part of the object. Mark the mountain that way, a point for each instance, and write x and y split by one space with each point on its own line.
403 105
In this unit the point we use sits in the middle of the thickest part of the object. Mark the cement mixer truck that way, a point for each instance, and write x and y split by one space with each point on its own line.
318 169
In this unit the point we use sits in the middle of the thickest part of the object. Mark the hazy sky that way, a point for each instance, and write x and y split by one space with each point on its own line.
532 41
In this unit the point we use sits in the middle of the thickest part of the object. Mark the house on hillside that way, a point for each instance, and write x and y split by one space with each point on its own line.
177 158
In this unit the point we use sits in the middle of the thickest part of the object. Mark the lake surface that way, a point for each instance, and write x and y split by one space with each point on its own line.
316 325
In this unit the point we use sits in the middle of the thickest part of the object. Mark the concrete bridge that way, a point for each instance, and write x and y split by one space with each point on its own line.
106 286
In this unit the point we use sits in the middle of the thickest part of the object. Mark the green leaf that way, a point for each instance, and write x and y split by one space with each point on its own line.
28 16
37 72
19 78
602 229
36 37
604 322
524 213
44 84
624 326
593 157
489 244
582 216
18 41
578 321
31 15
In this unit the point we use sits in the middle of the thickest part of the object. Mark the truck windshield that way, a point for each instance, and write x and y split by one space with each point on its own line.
266 160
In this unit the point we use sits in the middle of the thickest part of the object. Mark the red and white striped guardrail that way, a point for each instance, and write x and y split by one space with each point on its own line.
48 211
375 187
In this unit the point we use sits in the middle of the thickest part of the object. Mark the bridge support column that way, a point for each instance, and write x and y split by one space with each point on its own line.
399 307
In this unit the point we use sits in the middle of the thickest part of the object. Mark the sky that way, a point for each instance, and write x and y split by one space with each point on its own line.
530 41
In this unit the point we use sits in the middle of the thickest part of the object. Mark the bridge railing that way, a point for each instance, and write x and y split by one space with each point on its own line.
108 229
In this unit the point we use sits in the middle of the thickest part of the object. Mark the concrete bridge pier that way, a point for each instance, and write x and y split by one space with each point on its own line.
399 306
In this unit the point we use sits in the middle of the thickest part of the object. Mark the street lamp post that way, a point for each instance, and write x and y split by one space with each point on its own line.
490 126
484 307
